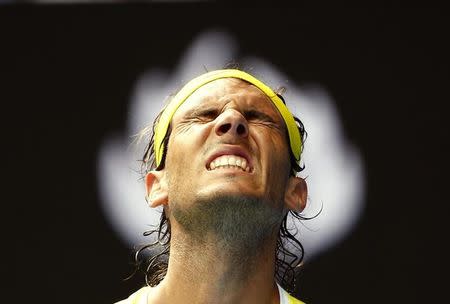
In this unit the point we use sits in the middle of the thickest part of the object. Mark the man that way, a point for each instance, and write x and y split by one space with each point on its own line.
222 162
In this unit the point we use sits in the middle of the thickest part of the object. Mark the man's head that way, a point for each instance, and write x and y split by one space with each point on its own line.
227 148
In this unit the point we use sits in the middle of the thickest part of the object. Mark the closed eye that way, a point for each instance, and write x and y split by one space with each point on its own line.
252 115
208 113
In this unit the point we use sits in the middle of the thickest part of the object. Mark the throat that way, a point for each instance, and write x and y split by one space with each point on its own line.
214 271
223 245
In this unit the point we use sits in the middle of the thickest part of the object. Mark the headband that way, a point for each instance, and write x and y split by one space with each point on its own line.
196 83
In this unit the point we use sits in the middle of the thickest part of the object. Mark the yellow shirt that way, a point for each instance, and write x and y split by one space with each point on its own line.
140 297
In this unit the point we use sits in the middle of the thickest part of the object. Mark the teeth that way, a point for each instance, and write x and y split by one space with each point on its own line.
216 163
223 161
229 161
244 164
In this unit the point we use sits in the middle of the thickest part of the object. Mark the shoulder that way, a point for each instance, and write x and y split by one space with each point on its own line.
139 297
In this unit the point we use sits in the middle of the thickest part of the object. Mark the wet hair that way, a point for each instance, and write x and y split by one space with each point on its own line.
289 250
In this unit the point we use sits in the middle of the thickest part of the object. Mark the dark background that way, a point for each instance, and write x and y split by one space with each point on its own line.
67 75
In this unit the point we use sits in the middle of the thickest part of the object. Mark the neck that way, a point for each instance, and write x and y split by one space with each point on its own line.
218 272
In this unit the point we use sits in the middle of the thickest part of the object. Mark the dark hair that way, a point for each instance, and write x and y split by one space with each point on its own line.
288 259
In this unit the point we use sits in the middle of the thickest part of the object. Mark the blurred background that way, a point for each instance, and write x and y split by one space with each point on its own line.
78 79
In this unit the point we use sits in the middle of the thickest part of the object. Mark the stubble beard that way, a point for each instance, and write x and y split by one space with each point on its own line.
241 227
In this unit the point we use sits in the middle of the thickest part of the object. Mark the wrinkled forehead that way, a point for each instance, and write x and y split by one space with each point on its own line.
231 92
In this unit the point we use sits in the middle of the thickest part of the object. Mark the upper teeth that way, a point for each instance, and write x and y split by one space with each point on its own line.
229 161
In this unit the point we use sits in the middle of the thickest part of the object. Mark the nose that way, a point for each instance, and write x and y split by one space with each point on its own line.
232 122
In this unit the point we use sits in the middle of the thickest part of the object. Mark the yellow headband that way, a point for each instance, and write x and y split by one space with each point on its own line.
196 83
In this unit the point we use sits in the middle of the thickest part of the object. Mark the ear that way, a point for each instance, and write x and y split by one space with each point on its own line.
296 194
156 189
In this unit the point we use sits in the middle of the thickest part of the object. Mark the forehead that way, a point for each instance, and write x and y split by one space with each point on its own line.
239 93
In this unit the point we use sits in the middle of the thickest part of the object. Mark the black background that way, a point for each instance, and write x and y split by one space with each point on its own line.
67 75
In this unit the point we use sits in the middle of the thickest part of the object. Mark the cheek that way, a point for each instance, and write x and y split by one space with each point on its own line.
177 156
279 163
282 147
185 146
277 150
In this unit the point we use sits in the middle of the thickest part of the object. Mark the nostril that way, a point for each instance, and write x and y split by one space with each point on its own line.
224 128
241 129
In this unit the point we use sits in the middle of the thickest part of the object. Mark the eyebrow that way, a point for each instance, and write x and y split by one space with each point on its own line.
200 111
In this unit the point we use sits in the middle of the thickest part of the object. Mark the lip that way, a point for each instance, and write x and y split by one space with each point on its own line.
231 150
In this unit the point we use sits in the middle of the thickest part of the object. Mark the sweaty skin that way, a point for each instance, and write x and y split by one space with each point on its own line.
225 188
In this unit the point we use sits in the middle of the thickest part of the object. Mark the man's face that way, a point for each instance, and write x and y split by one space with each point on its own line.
227 139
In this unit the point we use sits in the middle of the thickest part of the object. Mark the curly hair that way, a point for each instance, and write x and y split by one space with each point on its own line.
289 250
